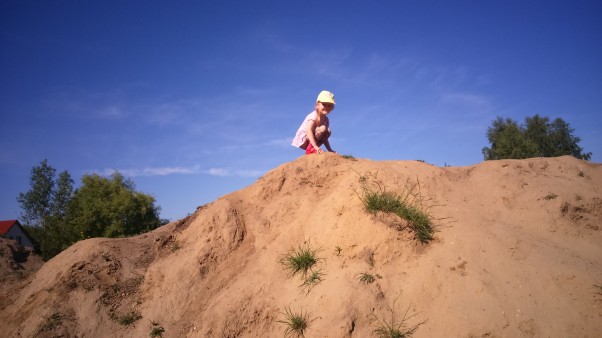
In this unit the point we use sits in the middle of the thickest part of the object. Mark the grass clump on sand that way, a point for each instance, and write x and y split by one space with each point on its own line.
129 318
407 206
312 280
367 278
300 259
296 323
51 322
338 250
394 329
157 330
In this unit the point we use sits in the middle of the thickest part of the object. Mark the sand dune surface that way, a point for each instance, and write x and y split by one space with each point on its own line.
517 252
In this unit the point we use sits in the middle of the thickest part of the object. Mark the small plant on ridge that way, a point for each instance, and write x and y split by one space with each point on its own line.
312 280
157 330
129 318
367 278
300 260
51 322
296 323
407 206
394 329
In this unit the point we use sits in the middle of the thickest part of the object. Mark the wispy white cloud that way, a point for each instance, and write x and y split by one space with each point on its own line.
158 171
329 65
113 103
474 102
218 172
223 172
284 142
268 35
111 112
281 142
164 171
249 173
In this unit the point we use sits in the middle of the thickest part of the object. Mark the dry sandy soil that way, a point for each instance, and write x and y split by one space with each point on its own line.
517 253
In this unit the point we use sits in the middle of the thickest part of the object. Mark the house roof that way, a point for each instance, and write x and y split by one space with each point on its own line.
6 225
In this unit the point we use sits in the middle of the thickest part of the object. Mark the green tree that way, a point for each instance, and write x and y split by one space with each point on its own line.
36 203
537 129
56 230
57 216
44 208
564 142
537 138
110 207
508 141
62 195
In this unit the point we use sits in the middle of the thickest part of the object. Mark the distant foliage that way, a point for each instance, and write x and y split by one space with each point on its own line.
56 216
47 197
538 137
110 207
44 208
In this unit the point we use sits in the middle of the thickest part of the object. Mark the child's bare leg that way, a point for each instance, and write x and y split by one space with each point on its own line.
322 134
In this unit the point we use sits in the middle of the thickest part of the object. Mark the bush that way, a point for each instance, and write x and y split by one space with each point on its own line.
538 137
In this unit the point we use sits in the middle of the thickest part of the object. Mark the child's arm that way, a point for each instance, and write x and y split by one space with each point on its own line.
327 145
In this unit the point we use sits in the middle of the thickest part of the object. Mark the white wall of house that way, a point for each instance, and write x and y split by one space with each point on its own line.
16 232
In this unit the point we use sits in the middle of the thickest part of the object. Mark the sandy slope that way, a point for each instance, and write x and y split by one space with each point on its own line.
517 253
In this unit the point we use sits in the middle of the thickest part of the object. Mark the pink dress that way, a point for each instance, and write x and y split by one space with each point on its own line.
300 140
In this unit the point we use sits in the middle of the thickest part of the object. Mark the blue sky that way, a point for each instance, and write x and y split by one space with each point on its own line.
196 99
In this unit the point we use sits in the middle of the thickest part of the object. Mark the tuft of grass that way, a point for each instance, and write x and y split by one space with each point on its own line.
129 318
338 250
51 322
300 259
312 280
296 323
349 157
381 201
598 289
157 331
406 206
394 329
550 196
367 278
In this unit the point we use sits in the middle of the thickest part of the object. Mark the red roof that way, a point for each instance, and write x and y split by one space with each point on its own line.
6 225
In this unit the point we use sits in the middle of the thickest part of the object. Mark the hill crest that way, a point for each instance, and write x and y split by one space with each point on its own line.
516 253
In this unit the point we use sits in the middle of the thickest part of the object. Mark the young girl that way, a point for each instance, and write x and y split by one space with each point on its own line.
315 129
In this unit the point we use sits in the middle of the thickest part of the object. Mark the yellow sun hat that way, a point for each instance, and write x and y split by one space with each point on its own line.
326 97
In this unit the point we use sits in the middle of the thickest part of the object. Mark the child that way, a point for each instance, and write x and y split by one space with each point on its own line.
315 129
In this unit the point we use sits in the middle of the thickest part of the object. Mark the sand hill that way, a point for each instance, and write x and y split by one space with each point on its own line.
517 253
